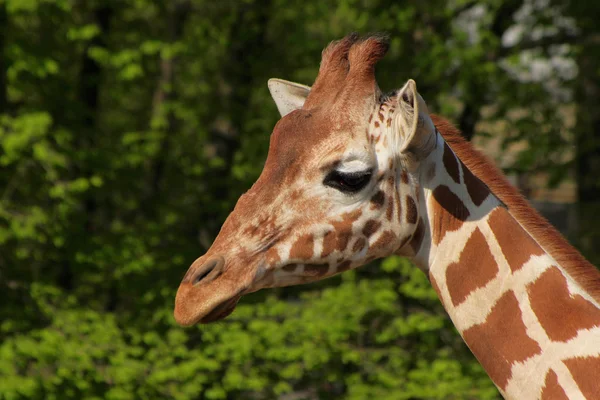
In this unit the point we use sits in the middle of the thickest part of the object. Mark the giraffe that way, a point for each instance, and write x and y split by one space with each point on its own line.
353 175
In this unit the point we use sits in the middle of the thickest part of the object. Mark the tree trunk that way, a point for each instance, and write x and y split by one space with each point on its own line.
587 133
88 96
3 62
239 74
176 22
469 118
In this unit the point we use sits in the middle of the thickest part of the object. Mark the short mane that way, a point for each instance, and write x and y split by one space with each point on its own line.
580 269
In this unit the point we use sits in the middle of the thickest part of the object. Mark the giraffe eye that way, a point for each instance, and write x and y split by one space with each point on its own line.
348 182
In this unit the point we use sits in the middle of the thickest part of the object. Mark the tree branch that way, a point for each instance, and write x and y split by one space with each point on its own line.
465 7
544 42
504 17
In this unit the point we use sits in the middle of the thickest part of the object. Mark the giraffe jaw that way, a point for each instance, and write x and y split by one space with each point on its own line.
205 304
221 311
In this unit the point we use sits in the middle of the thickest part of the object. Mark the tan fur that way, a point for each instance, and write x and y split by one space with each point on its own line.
332 72
364 55
584 273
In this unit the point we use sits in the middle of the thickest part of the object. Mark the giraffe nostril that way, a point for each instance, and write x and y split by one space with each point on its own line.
208 271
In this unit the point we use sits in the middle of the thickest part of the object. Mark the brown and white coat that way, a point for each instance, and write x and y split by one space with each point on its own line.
353 175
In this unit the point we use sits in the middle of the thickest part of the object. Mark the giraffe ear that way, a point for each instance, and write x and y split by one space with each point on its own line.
413 123
288 96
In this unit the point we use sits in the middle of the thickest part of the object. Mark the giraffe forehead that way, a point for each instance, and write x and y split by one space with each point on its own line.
305 147
306 129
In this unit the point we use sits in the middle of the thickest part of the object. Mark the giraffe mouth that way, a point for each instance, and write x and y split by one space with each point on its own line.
221 311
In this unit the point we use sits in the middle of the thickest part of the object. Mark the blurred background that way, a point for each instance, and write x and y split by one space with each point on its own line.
128 129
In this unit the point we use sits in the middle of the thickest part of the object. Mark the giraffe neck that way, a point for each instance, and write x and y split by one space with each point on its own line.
532 326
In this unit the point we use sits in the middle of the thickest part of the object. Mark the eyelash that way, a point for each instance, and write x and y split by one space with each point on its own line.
348 182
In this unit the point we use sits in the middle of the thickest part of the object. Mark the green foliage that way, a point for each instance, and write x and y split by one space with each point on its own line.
359 336
127 132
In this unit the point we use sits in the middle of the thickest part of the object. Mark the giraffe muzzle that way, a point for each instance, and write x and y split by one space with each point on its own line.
208 292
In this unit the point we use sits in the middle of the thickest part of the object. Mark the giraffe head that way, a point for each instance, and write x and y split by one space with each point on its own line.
338 188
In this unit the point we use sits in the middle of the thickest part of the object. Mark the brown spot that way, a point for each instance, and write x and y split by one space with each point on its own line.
376 124
303 248
411 210
404 176
329 241
371 227
315 270
342 232
478 191
377 200
494 348
381 117
585 373
342 240
475 268
516 244
290 267
451 164
560 312
383 241
344 266
552 390
370 118
449 211
251 230
359 244
417 238
296 194
389 212
389 122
